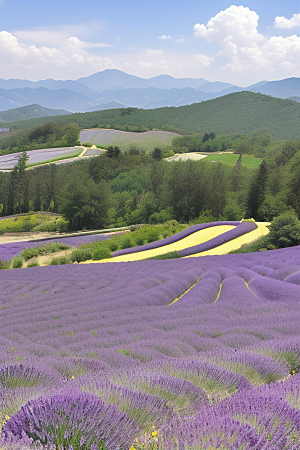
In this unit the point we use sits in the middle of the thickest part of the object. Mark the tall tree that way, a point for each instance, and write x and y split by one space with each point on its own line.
257 190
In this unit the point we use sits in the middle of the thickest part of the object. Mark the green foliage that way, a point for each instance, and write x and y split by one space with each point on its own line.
48 134
81 254
101 253
85 204
33 222
33 264
5 264
17 262
157 154
59 260
113 152
46 249
169 255
285 230
234 113
126 243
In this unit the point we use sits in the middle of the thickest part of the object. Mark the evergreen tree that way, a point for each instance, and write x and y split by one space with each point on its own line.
257 191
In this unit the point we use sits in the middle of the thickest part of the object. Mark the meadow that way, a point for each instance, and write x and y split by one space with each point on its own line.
230 159
198 353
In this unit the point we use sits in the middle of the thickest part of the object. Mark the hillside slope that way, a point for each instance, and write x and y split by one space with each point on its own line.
30 112
239 112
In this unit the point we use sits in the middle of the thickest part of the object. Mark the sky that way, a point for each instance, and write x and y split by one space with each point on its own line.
241 43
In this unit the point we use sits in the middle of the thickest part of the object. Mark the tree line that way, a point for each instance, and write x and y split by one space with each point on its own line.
122 189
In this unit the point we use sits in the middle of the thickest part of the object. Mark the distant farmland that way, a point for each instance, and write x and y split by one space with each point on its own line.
125 139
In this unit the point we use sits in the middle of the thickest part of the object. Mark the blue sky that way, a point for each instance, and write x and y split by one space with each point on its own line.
242 42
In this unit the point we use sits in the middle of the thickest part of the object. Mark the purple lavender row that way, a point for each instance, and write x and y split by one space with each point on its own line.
239 230
72 418
175 238
8 251
277 422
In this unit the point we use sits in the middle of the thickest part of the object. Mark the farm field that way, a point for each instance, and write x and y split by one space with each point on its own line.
124 139
50 155
215 238
39 156
197 353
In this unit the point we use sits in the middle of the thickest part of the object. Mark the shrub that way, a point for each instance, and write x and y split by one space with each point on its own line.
17 262
4 264
285 230
33 263
152 235
101 253
113 246
81 254
56 261
46 249
169 255
126 243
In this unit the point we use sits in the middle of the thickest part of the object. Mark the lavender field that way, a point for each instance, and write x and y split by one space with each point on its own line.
184 354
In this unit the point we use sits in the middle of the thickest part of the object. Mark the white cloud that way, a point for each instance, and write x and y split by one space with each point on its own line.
236 21
151 51
164 36
244 50
282 22
68 60
147 64
204 60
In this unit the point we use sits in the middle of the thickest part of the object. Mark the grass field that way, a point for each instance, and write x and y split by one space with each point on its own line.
230 159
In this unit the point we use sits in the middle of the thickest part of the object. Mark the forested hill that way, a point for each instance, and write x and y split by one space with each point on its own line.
238 112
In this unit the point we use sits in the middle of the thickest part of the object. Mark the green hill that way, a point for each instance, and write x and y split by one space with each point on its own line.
239 112
30 112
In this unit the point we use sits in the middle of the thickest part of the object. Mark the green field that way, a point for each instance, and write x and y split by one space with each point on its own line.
230 159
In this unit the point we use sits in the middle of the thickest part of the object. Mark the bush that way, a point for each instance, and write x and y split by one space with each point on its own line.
285 230
113 246
17 262
46 249
101 253
59 260
81 254
126 243
4 264
33 263
169 255
152 235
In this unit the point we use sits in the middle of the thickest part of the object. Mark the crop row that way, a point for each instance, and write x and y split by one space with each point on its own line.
176 354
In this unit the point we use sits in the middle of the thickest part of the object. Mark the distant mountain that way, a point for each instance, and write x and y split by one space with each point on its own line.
48 84
59 98
109 105
113 88
30 112
215 86
116 79
282 89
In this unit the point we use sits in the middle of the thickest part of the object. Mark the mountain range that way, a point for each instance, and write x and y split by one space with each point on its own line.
113 88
